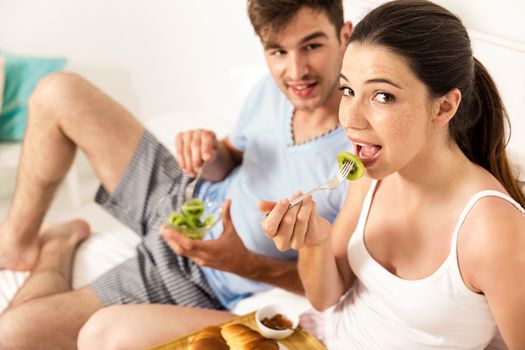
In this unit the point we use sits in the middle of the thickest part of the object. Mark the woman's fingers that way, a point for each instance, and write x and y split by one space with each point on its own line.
266 206
302 223
288 227
285 231
273 220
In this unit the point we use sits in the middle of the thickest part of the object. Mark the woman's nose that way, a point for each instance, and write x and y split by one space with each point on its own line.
352 114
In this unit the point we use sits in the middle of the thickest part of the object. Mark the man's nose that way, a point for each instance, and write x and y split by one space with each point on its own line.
297 66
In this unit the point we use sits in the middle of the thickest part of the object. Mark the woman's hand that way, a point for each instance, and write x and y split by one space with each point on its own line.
294 227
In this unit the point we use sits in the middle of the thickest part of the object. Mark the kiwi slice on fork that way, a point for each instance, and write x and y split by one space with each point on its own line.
358 169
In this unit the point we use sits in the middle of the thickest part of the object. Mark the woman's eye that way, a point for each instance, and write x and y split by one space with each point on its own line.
346 91
384 97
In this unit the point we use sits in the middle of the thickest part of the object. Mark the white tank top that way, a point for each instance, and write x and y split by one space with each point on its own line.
385 312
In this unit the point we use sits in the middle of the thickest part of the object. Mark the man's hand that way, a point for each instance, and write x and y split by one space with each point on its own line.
226 253
195 147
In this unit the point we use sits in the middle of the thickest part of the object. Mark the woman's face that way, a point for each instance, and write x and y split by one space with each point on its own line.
385 109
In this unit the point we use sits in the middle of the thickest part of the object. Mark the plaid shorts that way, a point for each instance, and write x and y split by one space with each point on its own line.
156 275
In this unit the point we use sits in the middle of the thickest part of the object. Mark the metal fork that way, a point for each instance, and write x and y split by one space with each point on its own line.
330 184
191 186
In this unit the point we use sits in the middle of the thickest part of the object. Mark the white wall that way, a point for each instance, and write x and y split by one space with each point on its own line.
153 56
499 18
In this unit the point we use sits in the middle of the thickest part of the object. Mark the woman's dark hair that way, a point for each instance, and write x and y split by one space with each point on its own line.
437 47
270 16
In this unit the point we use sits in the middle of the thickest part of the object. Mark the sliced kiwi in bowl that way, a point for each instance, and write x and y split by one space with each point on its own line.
190 222
358 169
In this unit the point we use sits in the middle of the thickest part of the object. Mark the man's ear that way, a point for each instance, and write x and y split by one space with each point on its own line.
447 106
346 31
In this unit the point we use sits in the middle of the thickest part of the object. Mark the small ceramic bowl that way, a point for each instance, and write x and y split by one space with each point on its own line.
269 312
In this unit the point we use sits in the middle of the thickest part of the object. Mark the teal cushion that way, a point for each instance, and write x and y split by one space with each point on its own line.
21 76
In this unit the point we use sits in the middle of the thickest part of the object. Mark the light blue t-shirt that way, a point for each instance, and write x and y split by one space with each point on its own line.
273 168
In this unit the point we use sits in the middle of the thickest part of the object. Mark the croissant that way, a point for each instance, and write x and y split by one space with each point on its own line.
209 338
241 337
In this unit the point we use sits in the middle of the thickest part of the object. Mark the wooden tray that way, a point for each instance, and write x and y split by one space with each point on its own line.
299 340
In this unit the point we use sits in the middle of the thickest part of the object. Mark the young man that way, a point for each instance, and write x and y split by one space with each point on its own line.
286 138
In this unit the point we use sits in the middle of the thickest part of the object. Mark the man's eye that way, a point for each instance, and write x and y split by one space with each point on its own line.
277 53
384 97
312 46
346 91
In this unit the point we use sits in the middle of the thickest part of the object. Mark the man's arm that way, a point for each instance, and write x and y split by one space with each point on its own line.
277 272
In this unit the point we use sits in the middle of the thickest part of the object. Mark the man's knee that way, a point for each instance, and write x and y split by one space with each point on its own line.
53 88
101 332
57 95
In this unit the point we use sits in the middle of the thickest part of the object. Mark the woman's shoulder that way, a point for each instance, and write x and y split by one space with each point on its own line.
491 211
488 203
494 211
492 235
490 207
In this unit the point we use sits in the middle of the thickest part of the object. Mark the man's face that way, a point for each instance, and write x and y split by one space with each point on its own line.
305 58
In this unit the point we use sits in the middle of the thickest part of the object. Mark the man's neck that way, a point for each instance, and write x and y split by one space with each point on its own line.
309 124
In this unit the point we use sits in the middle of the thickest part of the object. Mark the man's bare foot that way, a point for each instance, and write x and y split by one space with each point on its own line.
52 273
22 256
15 254
67 235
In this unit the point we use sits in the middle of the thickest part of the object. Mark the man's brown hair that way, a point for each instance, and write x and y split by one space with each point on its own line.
271 16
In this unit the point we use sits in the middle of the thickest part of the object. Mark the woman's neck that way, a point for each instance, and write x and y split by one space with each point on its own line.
435 174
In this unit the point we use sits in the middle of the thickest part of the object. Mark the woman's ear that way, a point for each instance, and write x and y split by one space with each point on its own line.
447 106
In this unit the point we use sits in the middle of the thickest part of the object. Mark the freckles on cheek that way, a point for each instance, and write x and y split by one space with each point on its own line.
344 114
400 129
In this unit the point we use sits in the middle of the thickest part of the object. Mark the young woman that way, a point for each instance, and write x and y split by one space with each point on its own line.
428 251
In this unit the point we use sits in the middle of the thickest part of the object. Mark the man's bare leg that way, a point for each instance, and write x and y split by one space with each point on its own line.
65 112
46 313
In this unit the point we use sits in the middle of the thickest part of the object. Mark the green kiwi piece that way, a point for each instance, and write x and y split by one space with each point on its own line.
357 170
174 216
193 222
181 222
193 208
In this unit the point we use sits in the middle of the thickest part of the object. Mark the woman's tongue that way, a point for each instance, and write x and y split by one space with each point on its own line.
368 151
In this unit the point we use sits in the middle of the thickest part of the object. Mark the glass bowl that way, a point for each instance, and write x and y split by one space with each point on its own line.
194 225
